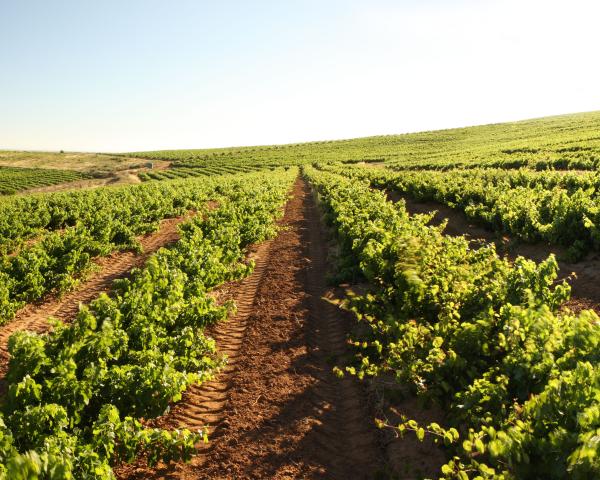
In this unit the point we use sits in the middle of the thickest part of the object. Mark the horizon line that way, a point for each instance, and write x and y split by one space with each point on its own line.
303 142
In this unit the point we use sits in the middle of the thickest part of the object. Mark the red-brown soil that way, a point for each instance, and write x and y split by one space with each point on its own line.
34 316
203 405
583 275
278 412
408 457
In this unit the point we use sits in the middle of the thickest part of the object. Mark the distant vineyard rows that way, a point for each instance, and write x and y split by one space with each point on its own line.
13 180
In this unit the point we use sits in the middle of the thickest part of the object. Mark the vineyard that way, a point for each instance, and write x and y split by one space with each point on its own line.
196 171
13 180
411 306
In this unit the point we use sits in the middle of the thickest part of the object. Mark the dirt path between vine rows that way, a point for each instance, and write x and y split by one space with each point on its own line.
34 316
278 412
583 275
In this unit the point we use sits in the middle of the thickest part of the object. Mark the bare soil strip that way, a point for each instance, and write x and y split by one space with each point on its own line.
34 317
203 405
348 439
583 275
278 412
408 458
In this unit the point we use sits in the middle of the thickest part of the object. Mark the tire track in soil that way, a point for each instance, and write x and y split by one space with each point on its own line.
34 316
403 458
203 405
350 440
582 276
278 412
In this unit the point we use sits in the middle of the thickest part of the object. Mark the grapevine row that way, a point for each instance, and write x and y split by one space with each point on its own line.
13 180
484 338
565 142
187 172
75 393
94 223
560 209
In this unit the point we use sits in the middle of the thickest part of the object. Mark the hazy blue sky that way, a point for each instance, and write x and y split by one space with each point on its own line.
117 75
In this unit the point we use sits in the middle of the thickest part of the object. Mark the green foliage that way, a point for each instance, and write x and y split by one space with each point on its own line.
194 169
15 179
482 337
557 208
95 223
75 393
559 143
